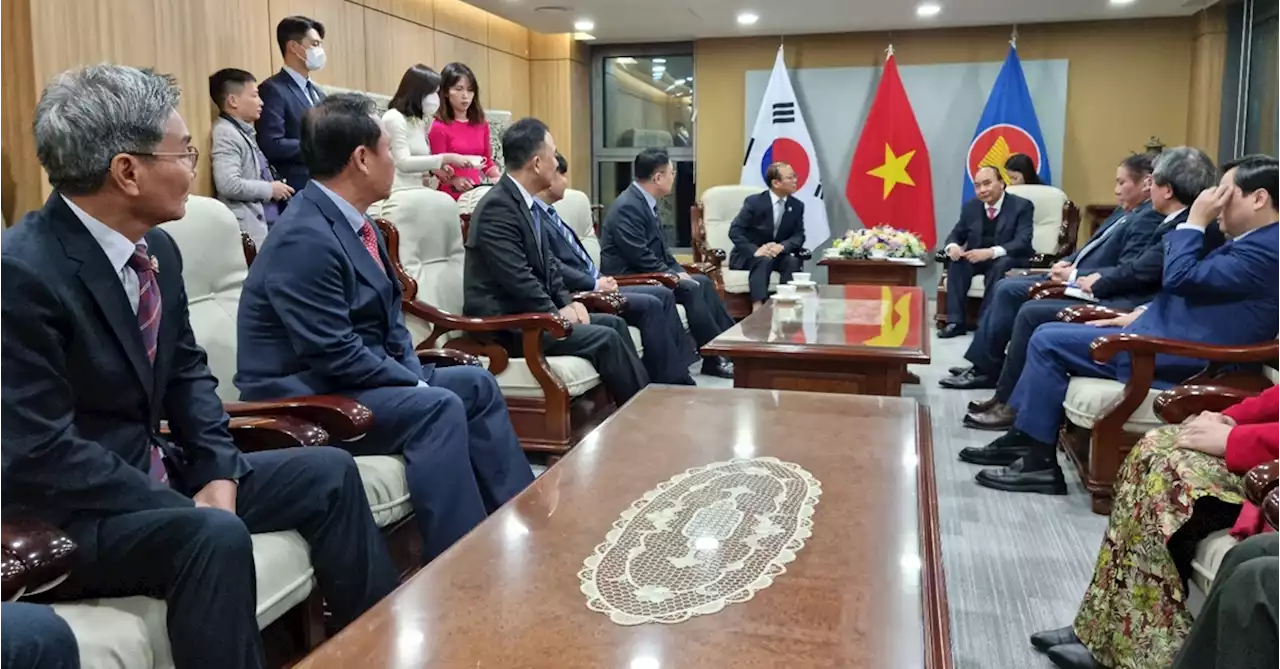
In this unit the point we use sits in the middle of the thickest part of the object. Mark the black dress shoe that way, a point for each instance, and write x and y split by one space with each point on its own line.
973 380
1015 478
978 406
951 330
998 418
957 371
717 366
1043 641
1003 450
1073 656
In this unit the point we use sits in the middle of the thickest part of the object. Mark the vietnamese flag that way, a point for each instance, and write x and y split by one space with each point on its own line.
889 182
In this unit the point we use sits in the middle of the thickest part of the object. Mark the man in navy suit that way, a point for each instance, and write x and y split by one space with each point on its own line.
1226 298
34 637
632 242
287 95
1118 241
98 349
992 236
320 314
668 350
767 232
1181 173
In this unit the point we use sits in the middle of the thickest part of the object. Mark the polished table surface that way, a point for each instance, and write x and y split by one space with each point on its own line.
866 591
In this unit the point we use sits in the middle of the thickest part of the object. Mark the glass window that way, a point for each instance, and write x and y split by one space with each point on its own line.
674 210
1261 123
648 101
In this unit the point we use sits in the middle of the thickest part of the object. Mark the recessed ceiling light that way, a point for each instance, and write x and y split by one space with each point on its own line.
1122 2
748 18
928 9
584 25
659 68
659 61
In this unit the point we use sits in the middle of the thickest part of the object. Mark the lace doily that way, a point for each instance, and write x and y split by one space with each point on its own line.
712 536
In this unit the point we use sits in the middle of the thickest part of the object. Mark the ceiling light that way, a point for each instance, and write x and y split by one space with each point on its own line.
747 18
929 9
658 61
659 68
1122 2
680 82
584 25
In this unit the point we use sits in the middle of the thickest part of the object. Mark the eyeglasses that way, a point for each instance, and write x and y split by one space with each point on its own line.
191 156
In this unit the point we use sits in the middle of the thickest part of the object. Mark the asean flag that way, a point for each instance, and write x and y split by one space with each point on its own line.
1008 126
890 182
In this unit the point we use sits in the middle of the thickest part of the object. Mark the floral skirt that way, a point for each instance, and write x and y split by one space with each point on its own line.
1134 614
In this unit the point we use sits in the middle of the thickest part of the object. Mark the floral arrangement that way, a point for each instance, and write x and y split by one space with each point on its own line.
881 241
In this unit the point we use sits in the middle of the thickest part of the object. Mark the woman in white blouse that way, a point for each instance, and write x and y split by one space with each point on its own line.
407 120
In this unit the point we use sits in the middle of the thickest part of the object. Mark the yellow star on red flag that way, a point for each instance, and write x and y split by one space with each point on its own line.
894 170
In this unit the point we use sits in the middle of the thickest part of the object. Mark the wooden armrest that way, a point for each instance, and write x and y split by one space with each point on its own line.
601 303
35 555
269 433
1041 290
804 254
1261 481
941 256
448 357
1178 404
662 278
1106 347
1085 313
1043 260
628 281
554 324
342 417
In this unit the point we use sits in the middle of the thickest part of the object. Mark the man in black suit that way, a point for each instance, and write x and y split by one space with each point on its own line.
510 269
1110 251
992 236
1176 179
631 242
98 349
668 350
767 232
287 95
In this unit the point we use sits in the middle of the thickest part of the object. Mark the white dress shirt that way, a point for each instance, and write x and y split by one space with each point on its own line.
302 82
118 249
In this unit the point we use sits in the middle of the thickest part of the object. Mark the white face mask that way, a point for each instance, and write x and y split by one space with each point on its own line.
430 105
315 58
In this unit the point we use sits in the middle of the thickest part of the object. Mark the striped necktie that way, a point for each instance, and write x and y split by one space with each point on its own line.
149 326
572 240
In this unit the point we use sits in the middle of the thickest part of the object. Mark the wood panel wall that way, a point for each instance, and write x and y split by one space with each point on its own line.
369 44
561 97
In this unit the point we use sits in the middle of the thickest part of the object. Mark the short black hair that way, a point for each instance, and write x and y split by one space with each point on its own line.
521 141
649 162
225 82
418 82
1138 165
294 29
1021 163
562 165
773 173
334 129
1254 172
450 76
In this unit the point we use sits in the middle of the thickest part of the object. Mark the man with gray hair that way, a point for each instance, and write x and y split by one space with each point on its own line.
98 348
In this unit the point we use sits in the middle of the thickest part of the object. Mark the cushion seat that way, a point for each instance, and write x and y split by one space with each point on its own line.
1088 400
1208 557
577 375
738 280
386 487
129 632
978 287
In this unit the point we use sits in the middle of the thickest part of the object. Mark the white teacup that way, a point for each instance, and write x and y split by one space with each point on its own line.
786 291
801 277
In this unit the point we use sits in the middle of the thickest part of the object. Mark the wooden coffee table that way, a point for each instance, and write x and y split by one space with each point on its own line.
836 339
842 271
866 591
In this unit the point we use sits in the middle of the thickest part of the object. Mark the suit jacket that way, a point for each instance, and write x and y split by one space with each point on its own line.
574 271
280 127
507 270
237 179
1137 279
81 403
631 239
1109 249
1014 225
753 228
317 315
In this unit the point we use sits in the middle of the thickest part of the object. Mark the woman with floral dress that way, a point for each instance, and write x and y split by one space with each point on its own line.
1178 485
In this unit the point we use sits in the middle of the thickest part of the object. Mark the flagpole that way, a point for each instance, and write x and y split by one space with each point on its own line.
1013 37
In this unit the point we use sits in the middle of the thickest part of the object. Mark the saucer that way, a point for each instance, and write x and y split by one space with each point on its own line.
787 298
803 284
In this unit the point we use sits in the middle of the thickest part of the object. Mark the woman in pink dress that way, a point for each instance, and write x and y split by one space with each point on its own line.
460 127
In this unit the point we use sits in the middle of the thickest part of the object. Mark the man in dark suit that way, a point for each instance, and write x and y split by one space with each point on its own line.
992 237
287 95
1236 627
320 314
767 232
668 350
1181 173
34 637
98 349
1225 298
631 242
510 269
1118 241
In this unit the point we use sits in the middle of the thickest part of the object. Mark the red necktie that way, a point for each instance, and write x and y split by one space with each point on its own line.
370 239
991 213
149 325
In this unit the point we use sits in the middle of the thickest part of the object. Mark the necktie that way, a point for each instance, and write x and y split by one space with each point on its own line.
991 213
1096 241
574 244
149 326
778 208
370 240
536 212
313 93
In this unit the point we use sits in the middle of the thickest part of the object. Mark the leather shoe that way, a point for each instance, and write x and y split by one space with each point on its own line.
973 380
999 417
1015 478
978 406
1043 641
1003 450
951 330
717 366
957 371
1073 656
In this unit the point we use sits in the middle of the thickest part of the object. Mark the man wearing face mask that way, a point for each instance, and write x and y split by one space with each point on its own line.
288 94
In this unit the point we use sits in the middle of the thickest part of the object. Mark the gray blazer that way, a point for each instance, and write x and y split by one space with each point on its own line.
237 178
